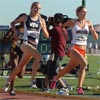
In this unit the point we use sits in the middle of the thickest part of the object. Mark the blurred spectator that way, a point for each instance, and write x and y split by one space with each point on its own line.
90 47
96 48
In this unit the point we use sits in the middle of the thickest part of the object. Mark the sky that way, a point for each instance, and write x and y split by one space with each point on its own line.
10 9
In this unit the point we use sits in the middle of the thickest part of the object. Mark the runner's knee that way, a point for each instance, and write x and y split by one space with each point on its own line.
17 70
84 65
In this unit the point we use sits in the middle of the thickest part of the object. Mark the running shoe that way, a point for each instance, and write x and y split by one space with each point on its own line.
12 93
65 90
80 91
33 85
45 90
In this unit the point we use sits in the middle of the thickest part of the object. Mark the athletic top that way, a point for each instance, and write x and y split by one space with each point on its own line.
32 30
79 35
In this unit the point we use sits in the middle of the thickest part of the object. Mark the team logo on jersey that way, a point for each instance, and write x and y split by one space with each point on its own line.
32 24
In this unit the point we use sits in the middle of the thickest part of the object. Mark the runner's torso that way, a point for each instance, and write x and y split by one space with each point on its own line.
79 35
32 30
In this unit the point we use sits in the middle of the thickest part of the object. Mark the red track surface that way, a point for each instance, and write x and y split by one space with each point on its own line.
25 96
6 96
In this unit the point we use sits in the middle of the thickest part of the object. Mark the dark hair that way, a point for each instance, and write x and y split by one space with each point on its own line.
58 18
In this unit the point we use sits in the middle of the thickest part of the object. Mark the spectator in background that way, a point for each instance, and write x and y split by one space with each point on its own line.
96 48
90 47
15 53
59 38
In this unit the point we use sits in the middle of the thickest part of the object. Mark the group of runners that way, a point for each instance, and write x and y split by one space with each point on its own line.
32 25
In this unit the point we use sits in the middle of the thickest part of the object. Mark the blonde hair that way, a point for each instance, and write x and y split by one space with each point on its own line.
79 9
34 3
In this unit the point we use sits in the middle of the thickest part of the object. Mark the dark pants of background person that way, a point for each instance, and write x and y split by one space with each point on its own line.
53 66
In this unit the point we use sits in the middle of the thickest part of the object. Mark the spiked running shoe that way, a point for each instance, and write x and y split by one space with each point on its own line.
80 91
12 93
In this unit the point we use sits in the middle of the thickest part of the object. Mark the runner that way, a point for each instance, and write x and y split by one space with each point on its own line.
33 23
80 30
15 53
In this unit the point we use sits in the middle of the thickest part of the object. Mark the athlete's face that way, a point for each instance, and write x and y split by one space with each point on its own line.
36 8
82 13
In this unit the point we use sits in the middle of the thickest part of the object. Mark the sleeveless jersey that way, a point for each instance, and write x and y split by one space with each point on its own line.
32 29
79 35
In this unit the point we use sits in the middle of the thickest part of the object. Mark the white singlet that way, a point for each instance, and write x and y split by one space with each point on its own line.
79 35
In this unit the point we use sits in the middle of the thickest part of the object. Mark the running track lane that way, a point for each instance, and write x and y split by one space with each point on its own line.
6 96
